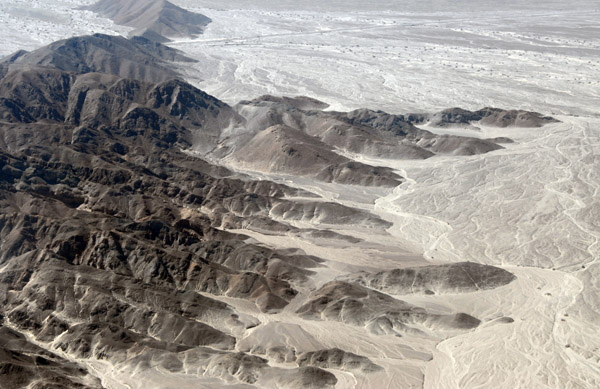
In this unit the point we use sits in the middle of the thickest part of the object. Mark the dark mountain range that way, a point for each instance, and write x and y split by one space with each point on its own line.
113 236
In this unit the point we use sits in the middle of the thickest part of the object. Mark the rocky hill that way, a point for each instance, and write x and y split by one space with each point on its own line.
154 19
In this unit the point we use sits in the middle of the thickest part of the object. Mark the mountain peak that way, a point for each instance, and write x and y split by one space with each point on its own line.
137 58
158 19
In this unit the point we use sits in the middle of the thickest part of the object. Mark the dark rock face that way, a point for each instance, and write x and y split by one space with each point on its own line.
156 19
452 278
150 35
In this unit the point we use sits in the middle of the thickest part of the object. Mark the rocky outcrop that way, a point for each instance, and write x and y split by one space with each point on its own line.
356 305
337 359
